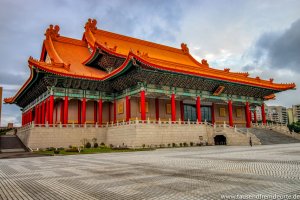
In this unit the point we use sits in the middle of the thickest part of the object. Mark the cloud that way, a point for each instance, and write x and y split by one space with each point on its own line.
248 68
280 49
241 35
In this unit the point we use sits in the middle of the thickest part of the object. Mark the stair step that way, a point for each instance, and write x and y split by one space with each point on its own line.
272 137
11 143
12 150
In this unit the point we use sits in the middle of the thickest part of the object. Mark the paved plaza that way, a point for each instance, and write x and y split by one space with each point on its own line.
213 172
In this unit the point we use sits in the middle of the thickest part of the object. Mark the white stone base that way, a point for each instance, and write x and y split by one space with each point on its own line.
131 135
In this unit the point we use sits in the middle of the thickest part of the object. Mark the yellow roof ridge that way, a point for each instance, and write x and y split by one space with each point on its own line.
71 41
139 41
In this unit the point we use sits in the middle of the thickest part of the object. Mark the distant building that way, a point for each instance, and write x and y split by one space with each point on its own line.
1 89
290 115
296 113
258 113
277 114
10 125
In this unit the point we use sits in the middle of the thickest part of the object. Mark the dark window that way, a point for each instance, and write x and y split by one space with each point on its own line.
191 113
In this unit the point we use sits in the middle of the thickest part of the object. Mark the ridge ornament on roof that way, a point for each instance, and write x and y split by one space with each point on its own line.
52 32
184 48
91 25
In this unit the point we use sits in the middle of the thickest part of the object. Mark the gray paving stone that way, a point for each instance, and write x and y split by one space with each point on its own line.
178 173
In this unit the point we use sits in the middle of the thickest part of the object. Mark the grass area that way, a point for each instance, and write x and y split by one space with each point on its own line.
91 151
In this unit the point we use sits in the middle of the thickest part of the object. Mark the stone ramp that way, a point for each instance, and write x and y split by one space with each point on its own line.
267 137
11 144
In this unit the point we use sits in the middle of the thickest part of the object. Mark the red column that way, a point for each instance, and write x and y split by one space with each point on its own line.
157 109
143 105
83 110
109 112
100 112
213 113
51 106
30 116
43 113
47 111
35 114
115 111
79 112
62 112
263 114
255 117
248 114
22 119
129 106
230 113
38 114
198 108
127 109
173 108
95 112
66 109
181 111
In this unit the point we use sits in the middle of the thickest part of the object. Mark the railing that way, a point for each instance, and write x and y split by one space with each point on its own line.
137 121
114 124
273 126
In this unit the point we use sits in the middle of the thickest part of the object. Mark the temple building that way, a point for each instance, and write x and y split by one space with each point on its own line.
108 78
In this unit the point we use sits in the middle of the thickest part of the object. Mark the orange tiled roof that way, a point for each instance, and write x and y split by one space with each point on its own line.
66 57
169 58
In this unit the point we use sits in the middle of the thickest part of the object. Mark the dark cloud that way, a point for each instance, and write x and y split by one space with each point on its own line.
248 68
280 49
7 78
23 24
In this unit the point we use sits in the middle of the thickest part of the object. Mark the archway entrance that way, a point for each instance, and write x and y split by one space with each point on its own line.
220 140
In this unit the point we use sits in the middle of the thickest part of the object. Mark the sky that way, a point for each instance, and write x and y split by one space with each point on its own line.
258 36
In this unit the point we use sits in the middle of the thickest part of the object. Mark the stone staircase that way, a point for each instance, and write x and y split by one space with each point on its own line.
11 144
267 136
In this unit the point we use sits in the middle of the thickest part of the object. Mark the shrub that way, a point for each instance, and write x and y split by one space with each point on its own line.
102 144
111 146
56 151
50 149
96 145
180 144
94 140
72 150
143 145
185 144
162 146
88 145
169 145
295 126
192 144
60 148
173 145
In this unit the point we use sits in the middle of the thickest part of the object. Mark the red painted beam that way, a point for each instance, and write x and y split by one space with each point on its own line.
248 114
83 111
181 111
115 111
100 112
198 108
127 109
66 109
173 108
143 105
263 114
230 113
157 109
